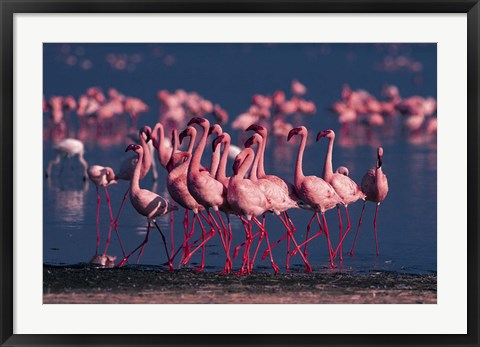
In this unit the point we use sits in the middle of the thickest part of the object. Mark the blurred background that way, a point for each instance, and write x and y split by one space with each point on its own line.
370 94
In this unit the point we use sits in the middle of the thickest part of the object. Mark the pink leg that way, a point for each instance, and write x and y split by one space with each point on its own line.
98 222
125 259
358 229
344 235
121 208
309 225
308 267
246 258
304 243
325 227
172 230
107 243
228 260
340 226
375 229
260 239
274 266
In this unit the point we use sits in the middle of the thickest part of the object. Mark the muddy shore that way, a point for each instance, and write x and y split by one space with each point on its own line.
85 284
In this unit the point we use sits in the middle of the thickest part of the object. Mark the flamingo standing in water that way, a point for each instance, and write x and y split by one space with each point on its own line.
313 190
127 168
278 201
103 176
248 201
345 187
146 203
203 187
69 148
375 186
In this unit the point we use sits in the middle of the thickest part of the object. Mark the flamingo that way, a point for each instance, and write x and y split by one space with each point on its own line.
203 187
248 201
277 198
146 203
215 129
344 186
127 168
313 190
375 186
161 144
178 189
69 148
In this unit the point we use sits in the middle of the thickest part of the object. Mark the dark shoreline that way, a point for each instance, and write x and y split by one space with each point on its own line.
84 283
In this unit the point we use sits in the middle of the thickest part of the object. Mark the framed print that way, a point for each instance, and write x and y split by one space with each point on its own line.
259 173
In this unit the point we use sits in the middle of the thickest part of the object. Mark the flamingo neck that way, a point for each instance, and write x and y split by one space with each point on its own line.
135 181
299 165
255 167
147 158
245 165
157 142
222 166
197 155
328 167
261 153
215 161
193 137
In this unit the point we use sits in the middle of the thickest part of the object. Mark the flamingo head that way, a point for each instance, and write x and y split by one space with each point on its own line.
343 170
187 132
258 129
200 121
110 174
147 131
252 140
215 129
379 156
177 158
217 141
296 131
134 147
326 133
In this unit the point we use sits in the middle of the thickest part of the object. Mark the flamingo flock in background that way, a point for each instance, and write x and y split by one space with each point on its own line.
215 198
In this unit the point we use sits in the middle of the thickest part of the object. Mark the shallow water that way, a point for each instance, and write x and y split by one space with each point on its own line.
230 75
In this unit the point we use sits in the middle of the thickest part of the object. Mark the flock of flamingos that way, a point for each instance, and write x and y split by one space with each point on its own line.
250 193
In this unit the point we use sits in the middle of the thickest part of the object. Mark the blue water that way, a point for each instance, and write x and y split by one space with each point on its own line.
230 74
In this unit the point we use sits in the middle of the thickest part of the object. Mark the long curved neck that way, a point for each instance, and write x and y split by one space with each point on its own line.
261 153
197 155
193 137
253 171
158 141
242 170
298 167
328 167
222 166
147 158
215 161
135 181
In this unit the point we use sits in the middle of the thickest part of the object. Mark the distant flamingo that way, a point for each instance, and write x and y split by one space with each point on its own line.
344 186
314 190
203 187
127 168
68 148
248 201
147 204
375 186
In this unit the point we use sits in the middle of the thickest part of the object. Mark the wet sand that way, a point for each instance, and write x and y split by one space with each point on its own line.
86 284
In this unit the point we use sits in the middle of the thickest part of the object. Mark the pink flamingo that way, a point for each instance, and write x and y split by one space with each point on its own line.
314 190
127 168
203 187
161 144
102 176
68 148
146 203
344 186
135 106
247 201
375 186
278 201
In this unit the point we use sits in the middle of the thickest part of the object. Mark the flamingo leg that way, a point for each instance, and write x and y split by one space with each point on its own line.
345 234
245 260
107 243
340 227
309 225
164 244
375 229
274 266
327 234
358 229
120 209
307 240
98 222
308 267
260 239
125 259
228 260
172 229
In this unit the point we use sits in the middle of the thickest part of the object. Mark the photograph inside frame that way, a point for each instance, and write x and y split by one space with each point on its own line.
240 173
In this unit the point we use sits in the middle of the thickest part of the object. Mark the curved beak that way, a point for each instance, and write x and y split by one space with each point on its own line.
254 127
182 135
217 141
131 147
249 142
322 134
236 165
196 120
292 132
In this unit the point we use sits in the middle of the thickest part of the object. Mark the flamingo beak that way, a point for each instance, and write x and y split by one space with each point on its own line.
182 135
322 134
236 165
173 137
254 127
292 132
249 142
217 141
196 120
169 165
131 147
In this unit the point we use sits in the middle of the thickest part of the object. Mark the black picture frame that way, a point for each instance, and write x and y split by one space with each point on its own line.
9 8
